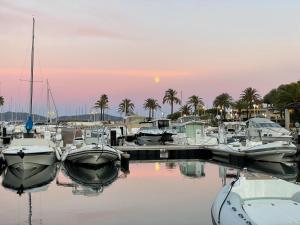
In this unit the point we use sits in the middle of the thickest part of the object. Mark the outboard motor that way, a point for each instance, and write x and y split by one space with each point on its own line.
5 139
4 132
113 138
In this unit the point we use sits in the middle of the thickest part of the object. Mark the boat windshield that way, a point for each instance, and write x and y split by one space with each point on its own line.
265 125
179 129
163 124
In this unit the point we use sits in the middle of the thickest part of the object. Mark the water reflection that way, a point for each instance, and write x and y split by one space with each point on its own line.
33 180
192 169
257 199
89 181
152 188
285 171
29 181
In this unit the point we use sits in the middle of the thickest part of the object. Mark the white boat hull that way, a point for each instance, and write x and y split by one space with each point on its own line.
93 155
257 202
271 152
28 180
30 160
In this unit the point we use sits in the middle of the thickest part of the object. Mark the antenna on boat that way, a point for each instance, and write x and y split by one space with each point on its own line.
29 123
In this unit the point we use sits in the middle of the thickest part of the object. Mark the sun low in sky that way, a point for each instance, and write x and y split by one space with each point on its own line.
156 79
125 48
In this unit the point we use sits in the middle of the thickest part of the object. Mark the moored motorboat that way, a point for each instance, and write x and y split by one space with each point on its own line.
257 201
93 151
149 136
267 130
27 153
92 154
273 152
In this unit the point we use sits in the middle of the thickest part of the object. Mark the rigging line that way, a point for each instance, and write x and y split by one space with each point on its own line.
51 95
231 186
41 73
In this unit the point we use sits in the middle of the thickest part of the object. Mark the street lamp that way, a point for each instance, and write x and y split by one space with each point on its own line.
94 113
51 114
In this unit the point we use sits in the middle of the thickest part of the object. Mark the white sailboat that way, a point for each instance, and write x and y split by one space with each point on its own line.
31 150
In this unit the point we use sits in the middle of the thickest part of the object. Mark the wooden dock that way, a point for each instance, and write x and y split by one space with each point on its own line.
160 148
155 152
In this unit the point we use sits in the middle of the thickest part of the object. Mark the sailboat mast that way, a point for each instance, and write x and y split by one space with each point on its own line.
48 102
31 77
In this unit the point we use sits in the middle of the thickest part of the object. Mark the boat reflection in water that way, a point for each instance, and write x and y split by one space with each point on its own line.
192 169
89 181
284 171
257 200
29 181
32 180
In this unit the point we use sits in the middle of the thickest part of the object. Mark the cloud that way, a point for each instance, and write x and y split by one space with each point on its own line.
8 6
97 32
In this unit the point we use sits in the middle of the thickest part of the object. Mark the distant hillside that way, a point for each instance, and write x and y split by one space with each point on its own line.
19 116
88 117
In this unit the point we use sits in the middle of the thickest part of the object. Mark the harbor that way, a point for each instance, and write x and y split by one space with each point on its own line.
149 112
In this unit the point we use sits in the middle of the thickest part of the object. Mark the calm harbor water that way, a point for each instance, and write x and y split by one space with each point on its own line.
172 192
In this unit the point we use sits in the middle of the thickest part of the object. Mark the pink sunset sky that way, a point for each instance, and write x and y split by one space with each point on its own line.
88 48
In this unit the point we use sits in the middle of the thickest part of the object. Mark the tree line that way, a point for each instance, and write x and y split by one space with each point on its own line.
277 99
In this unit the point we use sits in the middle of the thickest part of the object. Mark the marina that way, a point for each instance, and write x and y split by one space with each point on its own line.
149 112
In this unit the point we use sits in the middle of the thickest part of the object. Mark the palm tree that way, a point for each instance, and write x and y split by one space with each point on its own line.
1 101
170 97
126 106
196 102
102 104
185 109
250 96
239 106
152 105
223 101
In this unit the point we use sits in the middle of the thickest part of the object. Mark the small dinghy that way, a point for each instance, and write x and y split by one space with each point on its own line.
257 201
92 151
